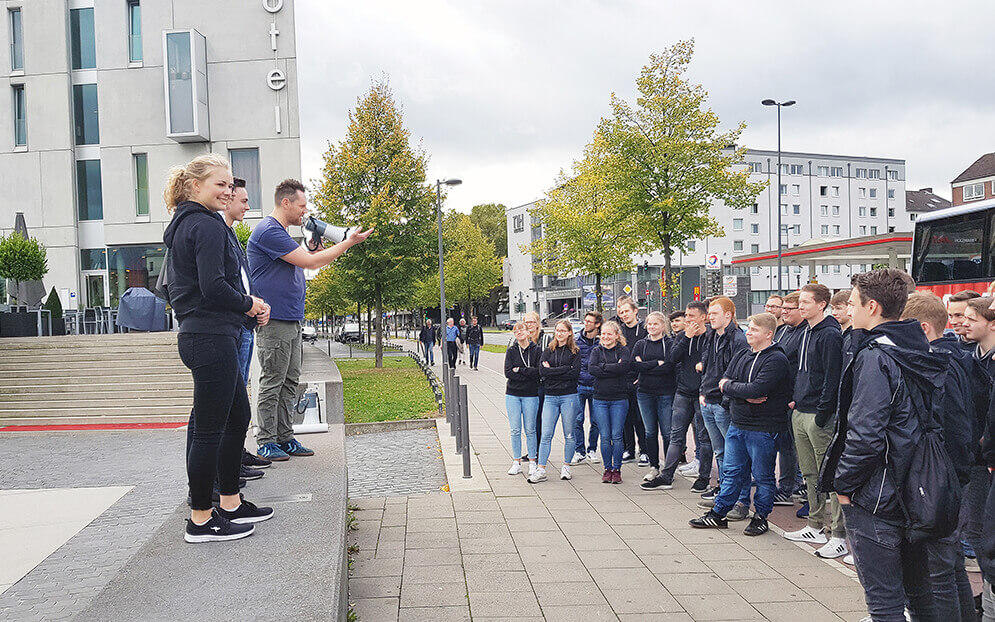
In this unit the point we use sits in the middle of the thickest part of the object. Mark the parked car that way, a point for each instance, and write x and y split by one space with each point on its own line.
506 325
350 333
309 333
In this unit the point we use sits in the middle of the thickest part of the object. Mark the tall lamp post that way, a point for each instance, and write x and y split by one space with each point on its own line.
442 276
771 102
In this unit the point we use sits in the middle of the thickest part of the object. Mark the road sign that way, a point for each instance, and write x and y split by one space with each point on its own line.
697 293
627 289
712 262
729 285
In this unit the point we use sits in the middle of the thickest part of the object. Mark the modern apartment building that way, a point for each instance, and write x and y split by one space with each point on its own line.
821 197
104 96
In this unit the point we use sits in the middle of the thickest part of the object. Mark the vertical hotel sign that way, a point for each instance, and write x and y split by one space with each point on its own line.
276 79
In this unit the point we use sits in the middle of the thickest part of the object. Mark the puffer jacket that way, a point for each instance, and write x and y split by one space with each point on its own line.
716 353
878 428
585 346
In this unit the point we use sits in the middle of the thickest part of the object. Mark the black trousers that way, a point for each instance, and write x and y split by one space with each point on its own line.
451 351
220 415
634 430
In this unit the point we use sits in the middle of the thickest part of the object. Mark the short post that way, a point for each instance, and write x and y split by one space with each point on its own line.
329 348
457 415
465 430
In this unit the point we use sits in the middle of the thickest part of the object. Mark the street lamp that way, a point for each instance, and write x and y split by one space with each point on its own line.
442 276
771 102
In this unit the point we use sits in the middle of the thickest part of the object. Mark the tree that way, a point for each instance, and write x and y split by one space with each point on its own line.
670 160
375 178
586 227
242 232
326 294
22 259
493 223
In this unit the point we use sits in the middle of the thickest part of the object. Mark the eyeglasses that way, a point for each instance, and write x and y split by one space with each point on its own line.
773 307
789 308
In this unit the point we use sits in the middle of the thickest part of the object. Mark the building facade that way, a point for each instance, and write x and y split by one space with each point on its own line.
103 97
976 183
821 197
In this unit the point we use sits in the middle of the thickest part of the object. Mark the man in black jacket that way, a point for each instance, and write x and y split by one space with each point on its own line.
474 339
868 460
756 389
817 381
427 337
789 481
633 433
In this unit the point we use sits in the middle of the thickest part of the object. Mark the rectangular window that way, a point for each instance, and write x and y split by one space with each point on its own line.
972 192
837 171
92 259
737 245
891 193
860 173
796 229
891 229
874 193
836 210
874 173
20 117
737 224
836 191
823 210
874 212
755 209
784 208
824 268
134 31
756 167
862 211
81 39
912 217
823 171
824 230
797 169
754 248
16 41
892 174
796 209
874 230
245 164
180 71
518 223
795 189
754 228
823 191
891 212
863 229
691 245
85 114
141 184
784 189
862 192
89 195
836 269
784 169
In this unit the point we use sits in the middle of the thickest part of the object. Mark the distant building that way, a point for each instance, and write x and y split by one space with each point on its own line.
922 201
976 183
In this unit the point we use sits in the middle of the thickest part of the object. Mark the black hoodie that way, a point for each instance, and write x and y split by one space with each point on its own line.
205 271
754 375
525 381
715 356
610 368
632 334
789 339
685 354
654 378
560 378
965 407
820 361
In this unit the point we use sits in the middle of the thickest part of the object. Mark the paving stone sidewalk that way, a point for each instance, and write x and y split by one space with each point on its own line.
575 550
394 463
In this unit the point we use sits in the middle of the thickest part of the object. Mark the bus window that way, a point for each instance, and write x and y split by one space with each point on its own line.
950 250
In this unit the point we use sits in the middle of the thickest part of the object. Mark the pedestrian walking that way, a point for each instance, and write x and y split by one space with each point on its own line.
461 343
559 368
427 337
610 364
521 368
451 342
474 339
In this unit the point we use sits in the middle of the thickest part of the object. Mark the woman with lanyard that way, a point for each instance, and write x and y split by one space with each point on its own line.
655 388
521 399
559 369
538 337
610 367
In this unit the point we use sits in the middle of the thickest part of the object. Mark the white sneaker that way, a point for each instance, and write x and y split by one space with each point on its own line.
516 468
690 469
532 468
848 560
652 474
807 534
593 456
578 458
836 547
538 476
565 472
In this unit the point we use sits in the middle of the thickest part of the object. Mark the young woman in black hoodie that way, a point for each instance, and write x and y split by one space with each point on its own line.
559 369
655 388
208 291
610 367
521 368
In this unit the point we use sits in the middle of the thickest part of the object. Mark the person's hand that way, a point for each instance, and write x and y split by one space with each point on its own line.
843 499
639 358
257 307
791 405
515 369
545 364
756 400
263 318
722 384
358 236
698 368
701 399
659 362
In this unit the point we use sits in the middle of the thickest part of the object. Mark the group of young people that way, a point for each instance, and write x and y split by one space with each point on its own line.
856 403
455 341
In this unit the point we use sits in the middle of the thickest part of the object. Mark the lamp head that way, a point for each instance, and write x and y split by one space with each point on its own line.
769 102
790 102
452 182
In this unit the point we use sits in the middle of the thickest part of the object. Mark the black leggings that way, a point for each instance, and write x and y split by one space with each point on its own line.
451 352
220 415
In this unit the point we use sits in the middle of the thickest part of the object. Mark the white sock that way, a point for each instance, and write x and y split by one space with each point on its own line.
234 508
204 523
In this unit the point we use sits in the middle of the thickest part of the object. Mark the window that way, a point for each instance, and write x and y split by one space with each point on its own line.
836 191
862 192
89 196
784 189
874 212
755 209
837 171
874 173
16 41
796 209
874 193
784 169
874 230
245 164
141 184
518 223
891 193
860 173
796 169
92 259
836 210
81 39
823 171
784 208
796 229
836 269
836 229
737 224
795 189
756 167
823 210
862 211
755 270
892 174
823 191
754 248
185 75
737 245
971 192
891 229
20 117
134 31
691 245
824 268
85 114
824 230
863 229
754 228
891 212
912 217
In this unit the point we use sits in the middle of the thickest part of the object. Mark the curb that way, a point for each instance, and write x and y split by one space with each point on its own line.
355 429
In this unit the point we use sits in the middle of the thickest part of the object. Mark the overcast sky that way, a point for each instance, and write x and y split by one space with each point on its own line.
503 94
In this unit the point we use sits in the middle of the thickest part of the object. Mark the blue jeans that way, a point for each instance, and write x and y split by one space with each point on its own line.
428 351
748 452
585 397
474 354
245 352
685 410
553 407
610 416
522 413
657 412
716 422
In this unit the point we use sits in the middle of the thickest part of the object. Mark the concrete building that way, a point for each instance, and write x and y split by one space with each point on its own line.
822 197
104 96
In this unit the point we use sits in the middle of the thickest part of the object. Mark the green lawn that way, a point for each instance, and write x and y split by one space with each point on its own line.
397 391
490 347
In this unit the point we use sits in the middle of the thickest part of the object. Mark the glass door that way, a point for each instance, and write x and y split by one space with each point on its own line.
96 290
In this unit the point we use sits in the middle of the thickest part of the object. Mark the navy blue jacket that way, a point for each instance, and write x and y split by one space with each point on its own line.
654 378
560 378
820 362
685 354
610 369
585 345
716 354
754 375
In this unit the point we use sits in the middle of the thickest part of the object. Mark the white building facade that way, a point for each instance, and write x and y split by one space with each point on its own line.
821 197
103 97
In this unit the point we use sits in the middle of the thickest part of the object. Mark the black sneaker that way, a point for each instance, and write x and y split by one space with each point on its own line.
627 457
247 473
710 494
658 483
246 513
758 526
710 520
782 497
217 529
254 461
700 485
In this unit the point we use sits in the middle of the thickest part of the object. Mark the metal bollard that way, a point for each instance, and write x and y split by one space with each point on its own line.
457 414
329 342
465 430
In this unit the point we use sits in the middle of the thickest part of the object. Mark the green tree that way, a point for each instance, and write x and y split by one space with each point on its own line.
586 226
374 177
493 223
670 159
22 259
53 304
242 232
326 294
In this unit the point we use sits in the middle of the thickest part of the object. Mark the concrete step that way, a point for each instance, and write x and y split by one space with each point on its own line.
72 366
88 371
95 391
182 411
121 377
71 419
76 341
148 401
77 353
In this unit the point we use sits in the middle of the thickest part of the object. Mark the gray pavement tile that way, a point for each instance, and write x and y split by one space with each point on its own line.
392 534
838 598
720 552
573 613
664 545
718 607
625 578
646 531
516 524
619 558
376 568
730 570
671 564
502 604
433 595
809 611
589 527
434 614
475 546
493 561
433 574
785 557
389 550
483 530
476 516
822 575
641 599
768 590
497 581
629 516
393 464
569 594
527 539
380 587
558 572
431 540
379 609
432 557
547 554
655 617
371 503
602 542
433 525
702 583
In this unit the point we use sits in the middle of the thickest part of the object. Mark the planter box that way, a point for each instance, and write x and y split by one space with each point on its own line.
19 324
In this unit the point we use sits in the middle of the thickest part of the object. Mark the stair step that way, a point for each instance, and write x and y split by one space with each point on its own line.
69 403
96 411
97 391
43 380
73 366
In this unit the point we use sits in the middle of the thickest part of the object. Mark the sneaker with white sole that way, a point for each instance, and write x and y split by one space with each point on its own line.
516 468
565 472
532 468
690 469
644 460
782 497
246 513
836 547
593 456
538 476
807 534
578 458
848 559
651 475
216 529
627 457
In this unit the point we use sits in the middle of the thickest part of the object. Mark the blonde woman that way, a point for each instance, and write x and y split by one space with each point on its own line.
534 327
208 291
610 367
521 399
559 369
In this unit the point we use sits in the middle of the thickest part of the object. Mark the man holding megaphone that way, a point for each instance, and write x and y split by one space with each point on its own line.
277 264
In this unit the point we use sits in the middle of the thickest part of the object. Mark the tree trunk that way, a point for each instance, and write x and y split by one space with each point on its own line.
597 291
378 293
665 277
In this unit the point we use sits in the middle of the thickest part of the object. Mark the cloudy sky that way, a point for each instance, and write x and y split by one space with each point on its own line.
503 94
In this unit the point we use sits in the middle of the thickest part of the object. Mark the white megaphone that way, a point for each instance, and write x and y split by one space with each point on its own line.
317 229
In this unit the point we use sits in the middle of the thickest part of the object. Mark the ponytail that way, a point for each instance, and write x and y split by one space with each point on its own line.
179 184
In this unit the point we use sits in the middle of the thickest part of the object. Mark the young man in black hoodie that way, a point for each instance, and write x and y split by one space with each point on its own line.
817 381
634 432
878 429
474 339
755 387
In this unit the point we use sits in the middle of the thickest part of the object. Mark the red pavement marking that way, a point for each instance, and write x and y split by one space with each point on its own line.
92 426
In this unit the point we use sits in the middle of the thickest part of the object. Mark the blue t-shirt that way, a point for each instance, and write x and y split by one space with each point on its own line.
452 333
279 283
